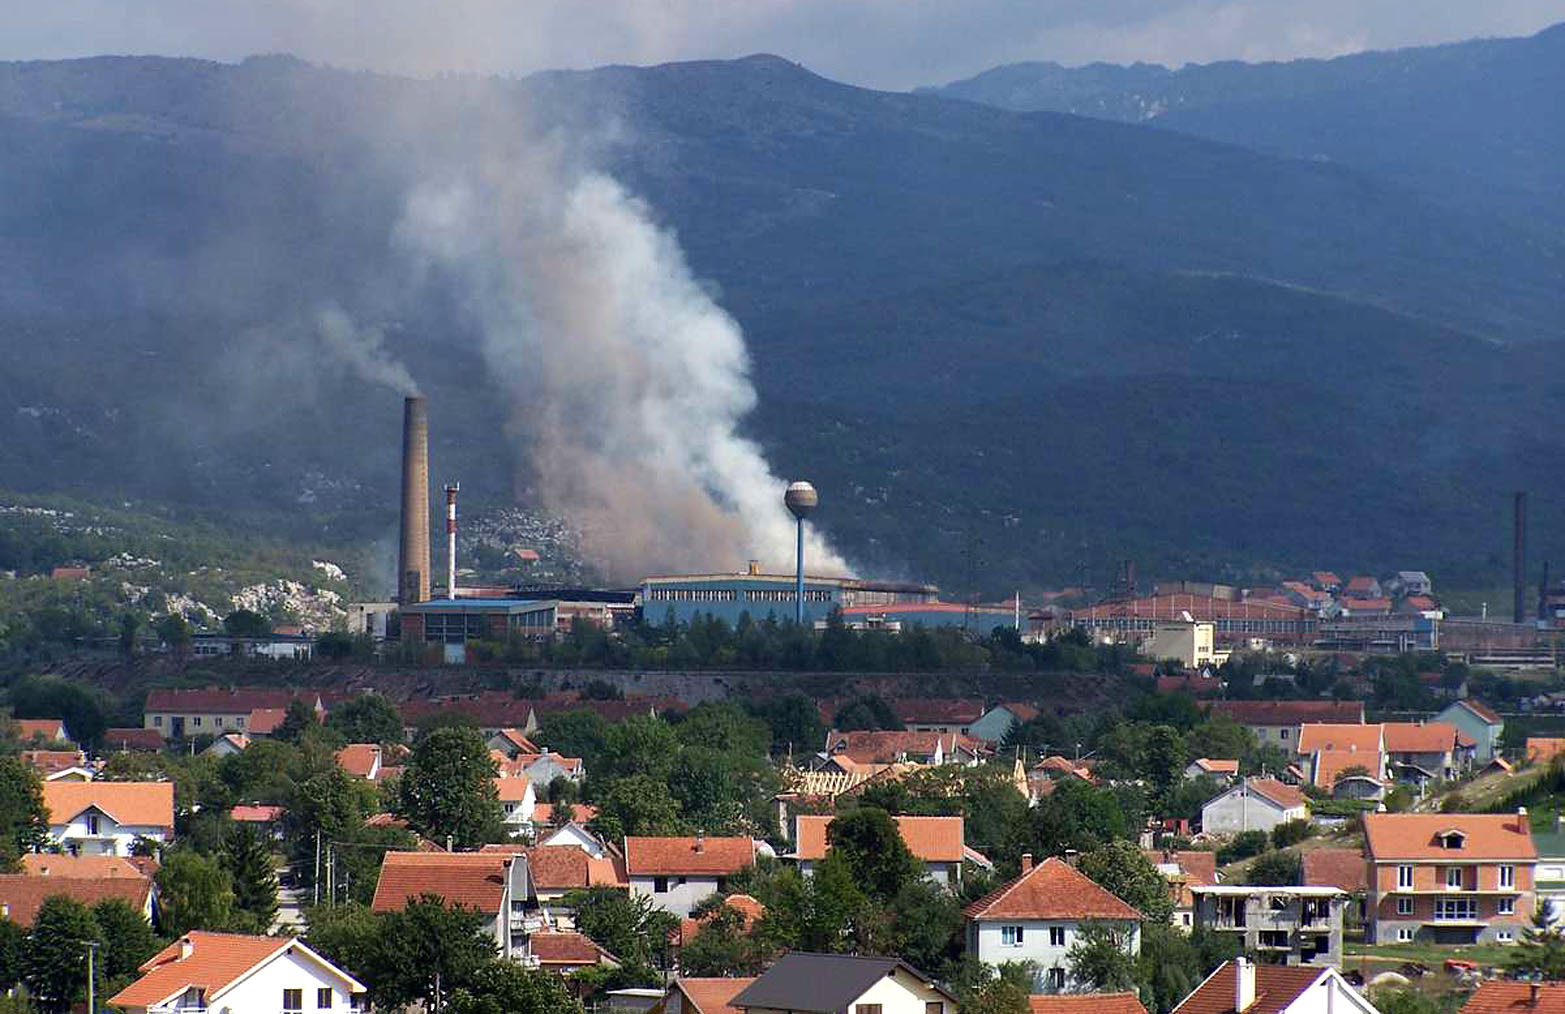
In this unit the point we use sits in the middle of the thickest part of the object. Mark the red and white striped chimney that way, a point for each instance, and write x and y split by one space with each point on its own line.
451 492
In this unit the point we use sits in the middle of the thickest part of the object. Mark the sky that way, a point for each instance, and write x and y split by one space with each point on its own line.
892 44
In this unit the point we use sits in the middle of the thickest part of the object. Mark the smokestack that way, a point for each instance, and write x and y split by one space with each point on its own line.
451 492
1519 556
413 559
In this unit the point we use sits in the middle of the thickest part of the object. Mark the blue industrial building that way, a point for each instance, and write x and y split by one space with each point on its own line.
729 596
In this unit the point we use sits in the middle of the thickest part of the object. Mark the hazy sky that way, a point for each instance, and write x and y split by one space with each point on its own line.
880 43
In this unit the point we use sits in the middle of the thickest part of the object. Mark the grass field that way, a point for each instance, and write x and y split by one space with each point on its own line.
1433 955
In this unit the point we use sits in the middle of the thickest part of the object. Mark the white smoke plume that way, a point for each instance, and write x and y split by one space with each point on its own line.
629 382
362 350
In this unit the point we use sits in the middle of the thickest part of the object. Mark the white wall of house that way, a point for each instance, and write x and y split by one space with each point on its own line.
898 993
94 833
574 834
944 874
680 895
1239 810
1044 942
263 989
517 815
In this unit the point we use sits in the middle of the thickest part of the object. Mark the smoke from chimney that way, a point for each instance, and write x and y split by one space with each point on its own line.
1519 556
413 559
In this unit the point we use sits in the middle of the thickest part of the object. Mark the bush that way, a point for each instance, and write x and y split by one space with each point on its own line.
1244 845
1276 869
1290 832
1454 803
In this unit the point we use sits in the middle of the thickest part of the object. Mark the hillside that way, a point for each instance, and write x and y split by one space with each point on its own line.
1473 124
1004 344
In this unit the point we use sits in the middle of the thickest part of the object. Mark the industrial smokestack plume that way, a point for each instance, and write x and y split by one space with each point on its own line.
1519 556
413 559
800 500
451 492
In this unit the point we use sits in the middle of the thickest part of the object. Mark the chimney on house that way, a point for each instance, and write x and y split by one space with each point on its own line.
187 947
1244 985
1072 856
1027 860
754 568
1533 989
700 841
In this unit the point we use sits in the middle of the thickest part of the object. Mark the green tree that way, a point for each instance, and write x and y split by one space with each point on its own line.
299 719
426 943
868 712
1244 845
725 728
925 925
128 941
80 707
996 995
1408 1000
130 626
1541 950
581 734
795 722
635 806
627 926
54 960
253 875
1291 832
367 718
24 823
247 623
505 987
1120 868
13 946
640 745
722 947
346 935
448 789
1100 960
1076 816
1275 869
194 893
868 842
174 631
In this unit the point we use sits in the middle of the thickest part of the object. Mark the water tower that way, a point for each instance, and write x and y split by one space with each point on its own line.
800 500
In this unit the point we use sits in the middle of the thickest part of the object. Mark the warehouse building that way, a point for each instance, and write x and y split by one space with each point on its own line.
728 596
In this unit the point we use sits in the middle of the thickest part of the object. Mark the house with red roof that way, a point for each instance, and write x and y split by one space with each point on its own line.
1499 997
1422 752
563 951
1277 723
122 740
106 818
1255 804
491 883
1085 1003
937 714
937 842
1184 869
678 873
23 894
1478 722
1040 915
1241 986
234 972
44 730
885 747
1225 769
688 995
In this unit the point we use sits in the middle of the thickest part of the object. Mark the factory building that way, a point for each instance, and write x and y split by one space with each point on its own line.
456 622
728 596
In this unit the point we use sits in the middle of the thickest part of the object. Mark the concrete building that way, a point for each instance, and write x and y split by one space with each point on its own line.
107 818
451 624
1191 643
372 618
1039 916
1549 875
213 711
1234 622
1449 878
729 596
1285 925
1255 804
1477 721
677 874
204 971
804 983
996 723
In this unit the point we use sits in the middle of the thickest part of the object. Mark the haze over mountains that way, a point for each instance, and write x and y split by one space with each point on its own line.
1003 343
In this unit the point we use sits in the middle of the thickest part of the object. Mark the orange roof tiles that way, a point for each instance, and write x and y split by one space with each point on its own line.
1341 868
1276 986
1496 997
1217 766
472 879
937 710
1330 765
1335 736
565 949
1482 710
216 961
132 739
23 894
566 867
750 911
883 747
515 740
1285 796
1086 1003
1191 869
46 728
264 721
256 814
930 839
1543 749
47 864
646 857
1271 713
1419 737
148 804
1390 836
1051 890
359 759
544 813
511 790
712 996
52 762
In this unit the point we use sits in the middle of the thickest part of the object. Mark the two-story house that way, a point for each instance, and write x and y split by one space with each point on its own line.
491 883
938 714
551 873
805 983
677 874
517 802
106 818
1184 870
1288 925
1478 722
210 711
1276 723
1449 878
23 894
1423 752
1038 916
937 842
1255 804
230 972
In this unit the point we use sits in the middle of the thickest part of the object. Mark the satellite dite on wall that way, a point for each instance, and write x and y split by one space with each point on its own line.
801 499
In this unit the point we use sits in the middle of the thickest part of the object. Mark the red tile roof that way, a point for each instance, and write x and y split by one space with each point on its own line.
516 741
1217 766
23 894
47 864
1276 986
1290 712
750 911
216 961
1285 796
1482 710
1341 868
217 701
256 814
132 739
937 710
1200 607
885 747
1367 605
472 879
1390 836
1051 890
149 804
511 790
543 813
930 839
1086 1003
1542 749
50 762
46 728
1329 766
711 996
648 857
359 759
1193 869
569 949
1496 997
1419 737
566 867
264 721
1338 736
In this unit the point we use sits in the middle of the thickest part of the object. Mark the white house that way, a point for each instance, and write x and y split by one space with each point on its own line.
1240 985
805 983
936 842
228 744
1213 767
576 835
1255 804
239 974
679 873
517 801
106 818
491 883
1038 916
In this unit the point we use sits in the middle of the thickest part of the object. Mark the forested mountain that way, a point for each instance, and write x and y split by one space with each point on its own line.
1473 124
1004 344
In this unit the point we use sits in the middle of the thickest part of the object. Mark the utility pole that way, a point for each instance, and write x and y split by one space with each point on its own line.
316 883
92 950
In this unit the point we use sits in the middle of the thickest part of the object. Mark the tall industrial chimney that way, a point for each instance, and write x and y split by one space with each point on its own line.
451 491
413 559
1519 556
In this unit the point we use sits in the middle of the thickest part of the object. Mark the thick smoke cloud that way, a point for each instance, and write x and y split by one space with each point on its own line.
362 350
629 383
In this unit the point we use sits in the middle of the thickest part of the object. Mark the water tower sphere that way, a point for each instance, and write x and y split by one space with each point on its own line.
801 499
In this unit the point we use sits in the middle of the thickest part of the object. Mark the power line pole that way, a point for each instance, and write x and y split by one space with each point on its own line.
92 996
315 886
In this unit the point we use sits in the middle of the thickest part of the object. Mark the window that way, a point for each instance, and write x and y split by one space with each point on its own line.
92 823
1456 909
659 885
1283 734
157 719
1056 936
1405 877
866 1008
1504 936
1404 906
1404 935
1507 906
239 723
1056 978
1011 936
935 1007
1453 877
293 999
196 720
1507 876
1452 840
323 998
